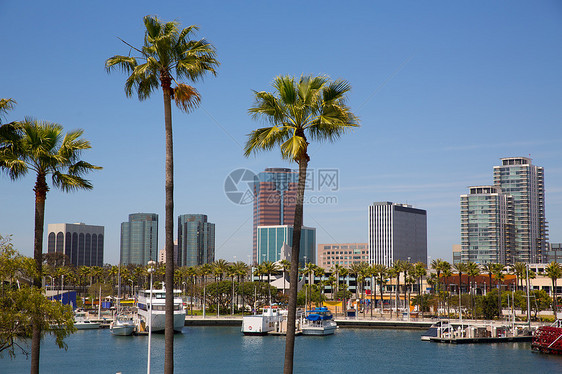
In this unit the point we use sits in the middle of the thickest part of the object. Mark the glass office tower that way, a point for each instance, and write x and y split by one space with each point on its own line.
196 240
139 239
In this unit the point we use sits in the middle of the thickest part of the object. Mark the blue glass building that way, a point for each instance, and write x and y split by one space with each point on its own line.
139 239
270 240
196 240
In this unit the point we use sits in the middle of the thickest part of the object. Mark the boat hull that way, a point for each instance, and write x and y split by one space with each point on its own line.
159 321
122 328
327 329
86 325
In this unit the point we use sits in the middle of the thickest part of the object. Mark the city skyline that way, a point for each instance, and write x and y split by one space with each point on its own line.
437 109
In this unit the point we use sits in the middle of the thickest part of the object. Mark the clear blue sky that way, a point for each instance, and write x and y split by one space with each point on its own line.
443 90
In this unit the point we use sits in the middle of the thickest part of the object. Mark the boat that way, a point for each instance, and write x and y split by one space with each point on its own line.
438 327
269 320
318 322
470 333
83 323
122 326
548 339
158 310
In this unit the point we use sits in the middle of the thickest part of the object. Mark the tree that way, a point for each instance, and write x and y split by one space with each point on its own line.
5 106
554 272
519 269
23 306
460 267
42 148
167 50
497 271
419 272
311 108
472 271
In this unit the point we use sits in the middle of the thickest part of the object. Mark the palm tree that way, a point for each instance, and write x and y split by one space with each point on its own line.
497 270
381 274
554 272
241 272
343 273
392 272
519 269
41 147
489 268
472 271
419 272
5 106
166 50
205 270
269 267
310 108
285 266
460 267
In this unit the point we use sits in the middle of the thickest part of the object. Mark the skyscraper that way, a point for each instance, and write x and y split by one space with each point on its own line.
397 232
275 200
82 244
139 239
486 226
272 238
525 183
196 240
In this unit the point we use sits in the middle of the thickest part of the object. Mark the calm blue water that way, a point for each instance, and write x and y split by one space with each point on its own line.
226 350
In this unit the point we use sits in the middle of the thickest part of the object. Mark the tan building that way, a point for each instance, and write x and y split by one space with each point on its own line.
344 254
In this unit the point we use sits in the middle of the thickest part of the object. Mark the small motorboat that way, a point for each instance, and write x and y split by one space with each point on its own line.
318 322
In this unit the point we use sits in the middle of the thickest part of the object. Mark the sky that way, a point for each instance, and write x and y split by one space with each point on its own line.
442 89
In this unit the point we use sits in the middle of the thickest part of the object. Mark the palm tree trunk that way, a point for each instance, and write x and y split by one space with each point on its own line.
169 227
40 189
295 251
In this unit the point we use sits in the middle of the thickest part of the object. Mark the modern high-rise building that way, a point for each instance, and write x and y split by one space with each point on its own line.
139 239
518 177
82 244
397 232
343 254
271 240
274 202
162 254
196 240
554 253
486 226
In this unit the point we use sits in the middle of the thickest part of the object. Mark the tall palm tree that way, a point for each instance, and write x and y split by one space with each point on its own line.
42 148
268 268
168 55
472 271
380 274
392 272
554 272
519 269
285 266
312 108
460 267
489 268
497 270
343 273
205 270
419 272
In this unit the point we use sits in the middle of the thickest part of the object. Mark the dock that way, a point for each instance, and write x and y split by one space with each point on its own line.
485 340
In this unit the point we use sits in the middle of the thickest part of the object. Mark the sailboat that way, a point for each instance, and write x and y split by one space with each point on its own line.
122 325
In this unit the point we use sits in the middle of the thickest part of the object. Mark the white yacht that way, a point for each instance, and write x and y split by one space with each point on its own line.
82 323
319 322
158 310
122 326
261 324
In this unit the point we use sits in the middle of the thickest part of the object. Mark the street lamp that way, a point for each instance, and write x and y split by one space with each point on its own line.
150 271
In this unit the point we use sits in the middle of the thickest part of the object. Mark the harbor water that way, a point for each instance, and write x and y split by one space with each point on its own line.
226 350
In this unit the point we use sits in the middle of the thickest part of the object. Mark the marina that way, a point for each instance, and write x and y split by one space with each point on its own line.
225 349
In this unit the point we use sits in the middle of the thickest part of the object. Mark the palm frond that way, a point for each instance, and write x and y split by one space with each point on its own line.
124 63
81 168
5 106
187 98
268 108
294 147
285 87
265 138
152 25
68 182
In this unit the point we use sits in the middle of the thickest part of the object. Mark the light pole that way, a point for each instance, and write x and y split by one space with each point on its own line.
132 287
150 271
